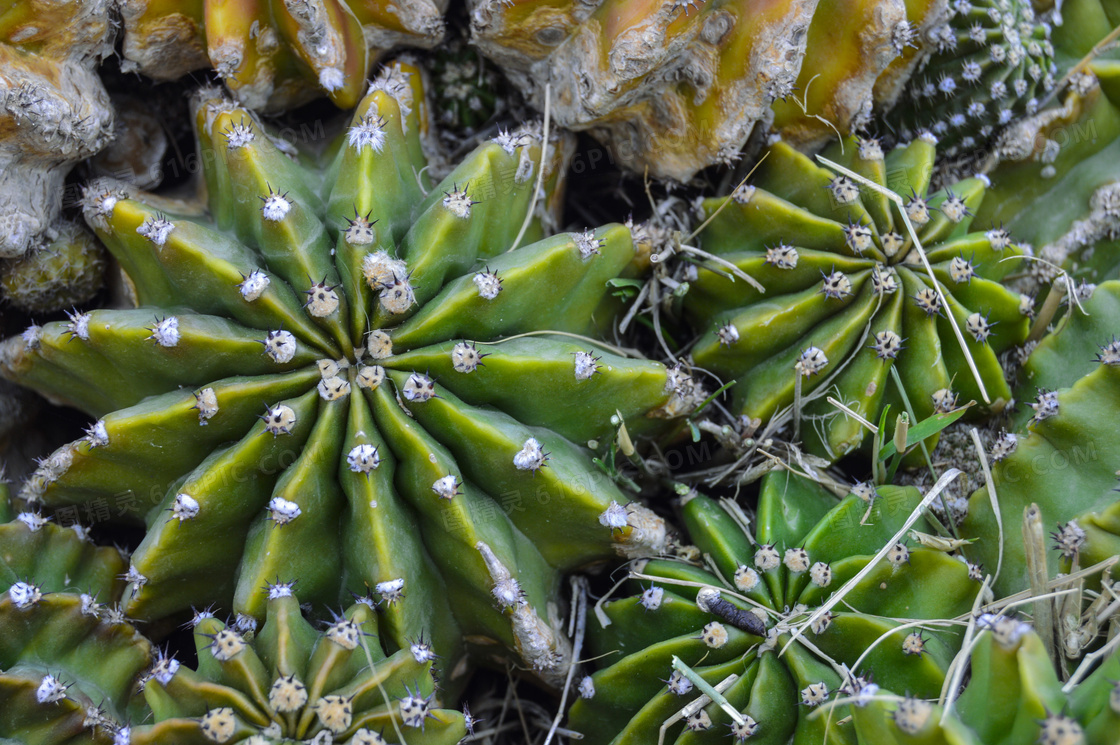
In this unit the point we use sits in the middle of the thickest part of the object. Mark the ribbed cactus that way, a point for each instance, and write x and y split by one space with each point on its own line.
274 55
364 390
990 62
288 681
1013 697
676 86
53 108
62 273
1065 459
68 663
752 614
846 295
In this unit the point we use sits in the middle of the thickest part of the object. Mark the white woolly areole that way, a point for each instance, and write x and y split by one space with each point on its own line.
253 285
587 687
614 517
79 325
465 358
276 207
166 332
587 244
50 690
206 401
419 388
531 457
651 598
33 520
363 458
24 595
282 511
446 487
156 229
165 670
279 420
458 203
379 345
97 436
391 590
32 337
322 300
184 507
280 346
489 285
586 365
331 79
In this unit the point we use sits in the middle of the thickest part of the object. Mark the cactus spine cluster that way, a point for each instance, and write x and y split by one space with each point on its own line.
366 389
845 295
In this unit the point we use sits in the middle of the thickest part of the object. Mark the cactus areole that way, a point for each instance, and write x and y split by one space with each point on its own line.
361 391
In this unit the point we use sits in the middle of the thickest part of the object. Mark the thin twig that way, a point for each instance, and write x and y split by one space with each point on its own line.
540 166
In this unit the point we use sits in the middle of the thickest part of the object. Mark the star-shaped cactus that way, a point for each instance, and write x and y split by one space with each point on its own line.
364 390
759 620
276 55
843 294
289 681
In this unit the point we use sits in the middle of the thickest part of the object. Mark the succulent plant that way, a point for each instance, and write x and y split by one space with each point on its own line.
845 296
68 664
367 390
1013 697
991 62
53 109
288 681
1064 461
762 612
275 55
64 272
677 86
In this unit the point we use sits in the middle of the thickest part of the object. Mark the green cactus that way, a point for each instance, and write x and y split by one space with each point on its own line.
737 613
290 682
1013 697
846 297
68 664
1064 459
369 390
677 86
991 62
62 273
275 55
